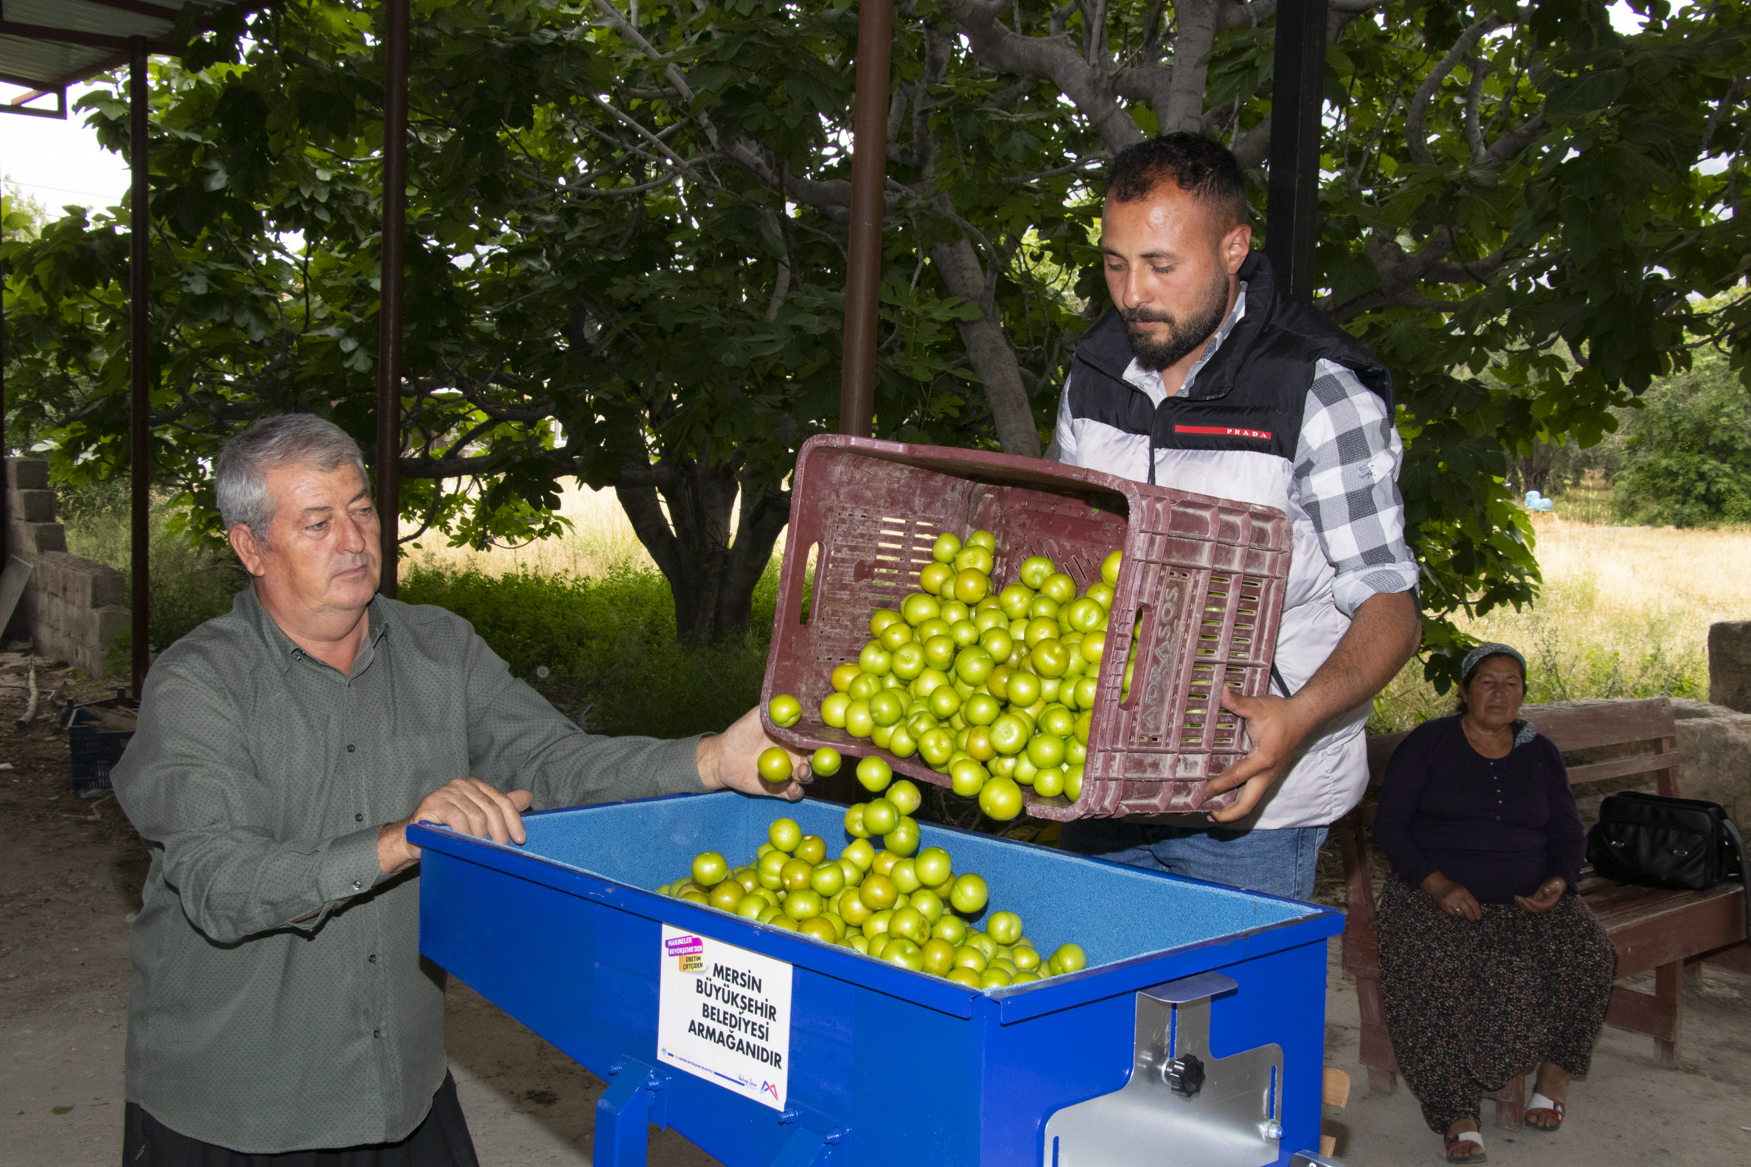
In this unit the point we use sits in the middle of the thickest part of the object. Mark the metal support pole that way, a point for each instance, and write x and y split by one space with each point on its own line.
869 175
390 286
139 360
1297 101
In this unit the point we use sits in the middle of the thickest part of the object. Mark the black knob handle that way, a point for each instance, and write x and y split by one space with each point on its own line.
1184 1076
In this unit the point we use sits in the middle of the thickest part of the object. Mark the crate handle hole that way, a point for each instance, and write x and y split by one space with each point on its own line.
805 605
1137 650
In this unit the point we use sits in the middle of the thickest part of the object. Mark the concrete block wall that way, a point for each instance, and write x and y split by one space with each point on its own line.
1716 744
30 509
1729 665
73 607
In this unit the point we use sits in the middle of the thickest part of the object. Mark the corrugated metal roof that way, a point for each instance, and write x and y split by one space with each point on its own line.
49 44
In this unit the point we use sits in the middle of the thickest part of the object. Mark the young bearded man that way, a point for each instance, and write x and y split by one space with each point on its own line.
1204 377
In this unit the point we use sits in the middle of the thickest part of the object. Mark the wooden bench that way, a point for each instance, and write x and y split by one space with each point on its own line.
1668 932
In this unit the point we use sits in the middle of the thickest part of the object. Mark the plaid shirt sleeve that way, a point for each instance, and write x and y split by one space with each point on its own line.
1346 479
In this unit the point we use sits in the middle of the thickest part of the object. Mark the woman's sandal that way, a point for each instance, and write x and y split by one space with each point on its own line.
1540 1102
1453 1142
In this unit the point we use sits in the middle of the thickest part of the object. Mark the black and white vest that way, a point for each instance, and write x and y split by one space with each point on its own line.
1234 434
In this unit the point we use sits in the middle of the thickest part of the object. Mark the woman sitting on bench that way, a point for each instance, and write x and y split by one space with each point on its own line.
1489 962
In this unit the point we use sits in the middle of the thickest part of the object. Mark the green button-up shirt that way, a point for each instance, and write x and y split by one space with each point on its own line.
259 778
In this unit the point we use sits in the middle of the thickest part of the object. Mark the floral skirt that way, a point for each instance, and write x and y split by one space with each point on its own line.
1470 1004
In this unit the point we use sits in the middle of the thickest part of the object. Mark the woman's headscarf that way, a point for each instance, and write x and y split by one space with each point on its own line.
1489 649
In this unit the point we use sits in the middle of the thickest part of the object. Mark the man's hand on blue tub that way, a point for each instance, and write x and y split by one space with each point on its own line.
467 806
727 761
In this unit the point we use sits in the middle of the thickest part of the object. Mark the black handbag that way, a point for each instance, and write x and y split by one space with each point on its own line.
1681 844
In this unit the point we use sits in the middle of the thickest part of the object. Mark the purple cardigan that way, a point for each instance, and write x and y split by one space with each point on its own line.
1499 826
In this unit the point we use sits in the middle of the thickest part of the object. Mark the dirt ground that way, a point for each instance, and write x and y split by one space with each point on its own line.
70 876
70 873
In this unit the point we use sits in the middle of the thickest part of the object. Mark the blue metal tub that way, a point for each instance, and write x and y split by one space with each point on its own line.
886 1065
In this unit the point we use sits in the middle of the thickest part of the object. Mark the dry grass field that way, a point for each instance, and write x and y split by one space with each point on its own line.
1624 613
600 541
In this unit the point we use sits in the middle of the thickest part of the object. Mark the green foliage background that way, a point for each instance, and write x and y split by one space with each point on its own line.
608 646
602 649
626 246
1687 451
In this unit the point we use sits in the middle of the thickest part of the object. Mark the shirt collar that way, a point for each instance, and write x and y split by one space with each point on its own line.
1149 380
285 650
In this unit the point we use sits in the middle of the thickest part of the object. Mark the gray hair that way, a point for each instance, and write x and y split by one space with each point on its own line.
241 477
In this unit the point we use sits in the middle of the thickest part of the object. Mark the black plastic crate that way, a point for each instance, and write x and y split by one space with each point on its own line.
95 750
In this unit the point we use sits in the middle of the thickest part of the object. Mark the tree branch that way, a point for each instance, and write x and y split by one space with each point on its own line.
631 477
1069 168
1184 107
431 515
1415 137
1153 30
670 71
417 466
1512 142
1480 71
1734 95
1094 32
1147 83
1061 17
1010 94
661 146
1254 146
645 513
989 350
1055 58
763 516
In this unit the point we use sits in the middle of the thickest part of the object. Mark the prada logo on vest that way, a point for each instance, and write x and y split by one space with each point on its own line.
1226 431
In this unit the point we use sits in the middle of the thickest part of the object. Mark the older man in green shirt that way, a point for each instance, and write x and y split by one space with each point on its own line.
280 1011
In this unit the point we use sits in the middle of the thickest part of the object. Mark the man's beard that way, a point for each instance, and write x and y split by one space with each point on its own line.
1181 338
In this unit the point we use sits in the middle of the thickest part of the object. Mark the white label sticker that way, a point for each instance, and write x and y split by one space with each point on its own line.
723 1013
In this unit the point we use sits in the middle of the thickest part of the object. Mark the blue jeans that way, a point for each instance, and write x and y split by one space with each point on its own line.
1276 862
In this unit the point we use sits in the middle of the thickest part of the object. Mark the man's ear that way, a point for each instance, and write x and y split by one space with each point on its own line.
1236 245
249 549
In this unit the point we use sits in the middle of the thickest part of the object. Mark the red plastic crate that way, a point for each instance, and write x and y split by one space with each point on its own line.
1206 574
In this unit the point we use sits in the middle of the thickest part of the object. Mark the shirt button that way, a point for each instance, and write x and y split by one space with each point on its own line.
358 818
372 958
356 885
349 749
376 1033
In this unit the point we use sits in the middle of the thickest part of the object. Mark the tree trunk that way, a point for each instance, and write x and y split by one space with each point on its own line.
1192 43
989 350
1534 471
711 577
